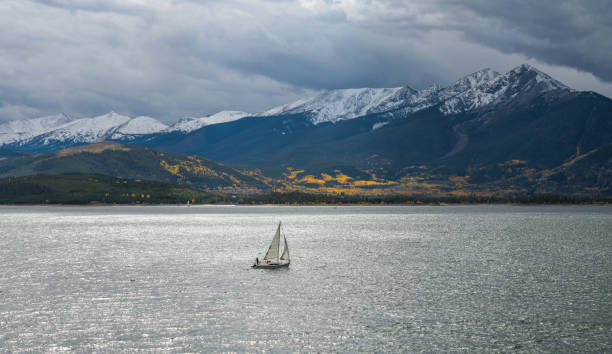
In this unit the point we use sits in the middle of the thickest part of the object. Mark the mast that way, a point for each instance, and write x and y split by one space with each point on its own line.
278 244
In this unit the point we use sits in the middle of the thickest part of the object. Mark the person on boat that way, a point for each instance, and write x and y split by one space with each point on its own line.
256 260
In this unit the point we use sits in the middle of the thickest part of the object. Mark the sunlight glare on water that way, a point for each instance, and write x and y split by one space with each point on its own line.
363 279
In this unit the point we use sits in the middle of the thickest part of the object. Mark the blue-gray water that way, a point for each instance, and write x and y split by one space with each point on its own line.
477 278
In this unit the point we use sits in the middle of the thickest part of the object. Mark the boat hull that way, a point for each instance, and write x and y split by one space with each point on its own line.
270 266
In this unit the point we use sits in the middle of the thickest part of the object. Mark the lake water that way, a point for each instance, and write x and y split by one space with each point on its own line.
384 279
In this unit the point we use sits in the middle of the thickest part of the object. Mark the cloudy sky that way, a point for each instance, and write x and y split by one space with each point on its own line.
174 58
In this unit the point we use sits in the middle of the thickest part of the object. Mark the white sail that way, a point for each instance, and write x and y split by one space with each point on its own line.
285 256
273 250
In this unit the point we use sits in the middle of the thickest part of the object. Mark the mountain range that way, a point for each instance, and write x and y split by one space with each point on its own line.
517 132
485 88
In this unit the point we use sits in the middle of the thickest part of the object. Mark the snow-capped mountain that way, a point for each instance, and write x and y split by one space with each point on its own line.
62 131
85 130
488 88
189 124
336 105
20 130
483 91
472 92
89 130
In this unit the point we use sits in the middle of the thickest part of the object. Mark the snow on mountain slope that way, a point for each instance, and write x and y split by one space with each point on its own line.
139 125
86 130
90 130
535 78
482 88
469 82
335 105
18 130
187 125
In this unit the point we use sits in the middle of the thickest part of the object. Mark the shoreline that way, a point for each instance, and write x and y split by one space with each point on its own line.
310 204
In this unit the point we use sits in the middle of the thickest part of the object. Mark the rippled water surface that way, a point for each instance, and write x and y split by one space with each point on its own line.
476 278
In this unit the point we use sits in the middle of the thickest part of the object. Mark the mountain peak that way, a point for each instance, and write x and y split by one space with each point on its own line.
533 78
525 67
487 87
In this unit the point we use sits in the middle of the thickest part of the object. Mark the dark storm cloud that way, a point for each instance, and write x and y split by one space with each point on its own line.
169 58
577 34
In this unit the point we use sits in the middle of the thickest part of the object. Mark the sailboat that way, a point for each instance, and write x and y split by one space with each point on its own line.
272 259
